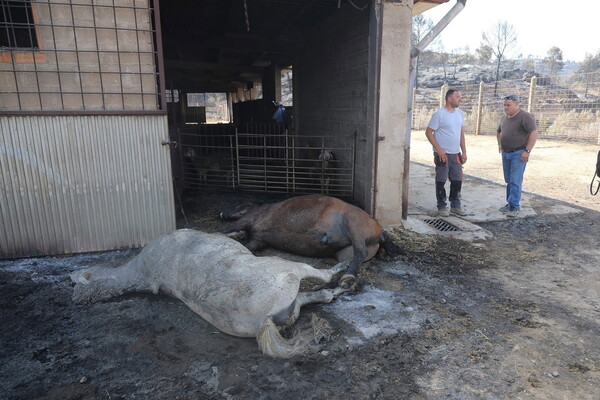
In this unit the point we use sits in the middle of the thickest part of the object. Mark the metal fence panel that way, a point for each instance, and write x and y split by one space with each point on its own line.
266 157
296 163
207 154
565 107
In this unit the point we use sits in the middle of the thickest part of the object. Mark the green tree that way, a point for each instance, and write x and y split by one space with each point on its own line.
591 63
529 64
500 38
484 54
554 60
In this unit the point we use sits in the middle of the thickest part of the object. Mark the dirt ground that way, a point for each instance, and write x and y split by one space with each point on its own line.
557 169
513 317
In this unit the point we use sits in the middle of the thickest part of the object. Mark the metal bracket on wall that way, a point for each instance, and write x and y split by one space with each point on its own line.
380 138
169 143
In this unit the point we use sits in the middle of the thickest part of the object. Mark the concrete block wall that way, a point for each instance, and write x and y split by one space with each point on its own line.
91 57
331 87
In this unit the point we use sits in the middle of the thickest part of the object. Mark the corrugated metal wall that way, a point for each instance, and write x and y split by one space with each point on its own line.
73 184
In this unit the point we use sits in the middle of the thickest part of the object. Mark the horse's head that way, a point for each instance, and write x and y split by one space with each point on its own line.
238 211
326 155
189 153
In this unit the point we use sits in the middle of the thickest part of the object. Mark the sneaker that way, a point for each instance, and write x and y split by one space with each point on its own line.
458 211
513 213
505 208
443 212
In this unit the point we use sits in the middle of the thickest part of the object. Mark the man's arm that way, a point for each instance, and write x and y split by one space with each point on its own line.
435 144
498 139
463 145
530 143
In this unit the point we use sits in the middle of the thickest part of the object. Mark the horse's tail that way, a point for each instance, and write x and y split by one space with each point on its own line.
390 247
273 344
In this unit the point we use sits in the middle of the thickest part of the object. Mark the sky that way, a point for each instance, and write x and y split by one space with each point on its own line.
573 26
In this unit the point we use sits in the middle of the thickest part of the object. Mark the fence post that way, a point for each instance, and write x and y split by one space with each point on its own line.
443 95
414 97
531 93
479 109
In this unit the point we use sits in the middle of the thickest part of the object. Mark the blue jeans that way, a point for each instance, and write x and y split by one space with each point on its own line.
513 169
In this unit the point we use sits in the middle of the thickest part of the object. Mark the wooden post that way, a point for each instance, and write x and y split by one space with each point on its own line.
479 109
531 93
414 97
443 95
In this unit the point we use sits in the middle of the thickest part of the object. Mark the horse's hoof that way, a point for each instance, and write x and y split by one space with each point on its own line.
237 235
348 281
339 290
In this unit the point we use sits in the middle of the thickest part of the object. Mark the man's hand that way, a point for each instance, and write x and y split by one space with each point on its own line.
525 156
443 155
463 158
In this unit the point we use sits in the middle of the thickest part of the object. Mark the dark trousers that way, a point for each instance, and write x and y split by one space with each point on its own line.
449 170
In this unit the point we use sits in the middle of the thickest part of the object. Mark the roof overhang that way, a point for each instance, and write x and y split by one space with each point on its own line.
421 6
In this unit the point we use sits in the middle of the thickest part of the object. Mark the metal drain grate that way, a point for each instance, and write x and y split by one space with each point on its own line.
441 225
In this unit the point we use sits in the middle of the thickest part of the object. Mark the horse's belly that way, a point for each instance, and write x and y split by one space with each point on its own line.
307 245
234 299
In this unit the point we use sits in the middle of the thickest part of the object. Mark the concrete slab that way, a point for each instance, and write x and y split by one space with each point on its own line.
464 230
481 200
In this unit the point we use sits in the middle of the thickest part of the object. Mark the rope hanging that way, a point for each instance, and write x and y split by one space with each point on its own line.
247 18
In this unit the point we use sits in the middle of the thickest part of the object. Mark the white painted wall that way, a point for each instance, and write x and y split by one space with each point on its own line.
393 101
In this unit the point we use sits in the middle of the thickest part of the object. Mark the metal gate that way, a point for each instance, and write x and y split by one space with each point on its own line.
208 157
266 157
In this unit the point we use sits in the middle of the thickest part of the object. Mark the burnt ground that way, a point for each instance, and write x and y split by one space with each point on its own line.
514 317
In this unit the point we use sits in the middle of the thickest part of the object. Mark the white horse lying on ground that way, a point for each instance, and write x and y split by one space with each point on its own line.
222 281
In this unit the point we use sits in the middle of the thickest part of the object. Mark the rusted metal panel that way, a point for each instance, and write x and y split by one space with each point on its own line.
72 184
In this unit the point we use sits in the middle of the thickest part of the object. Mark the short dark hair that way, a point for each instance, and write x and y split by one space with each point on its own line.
449 93
512 97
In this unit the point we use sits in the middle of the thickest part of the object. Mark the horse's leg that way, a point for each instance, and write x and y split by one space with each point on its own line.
360 252
304 271
250 243
269 339
288 316
237 235
237 226
254 245
347 253
363 248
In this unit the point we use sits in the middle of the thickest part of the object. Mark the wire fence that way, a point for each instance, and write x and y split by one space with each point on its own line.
72 56
565 107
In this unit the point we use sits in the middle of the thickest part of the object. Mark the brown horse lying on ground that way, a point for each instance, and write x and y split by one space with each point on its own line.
314 226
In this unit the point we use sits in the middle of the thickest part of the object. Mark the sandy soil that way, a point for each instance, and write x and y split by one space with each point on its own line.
557 169
513 317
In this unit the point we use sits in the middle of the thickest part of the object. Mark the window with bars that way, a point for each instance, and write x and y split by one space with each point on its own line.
172 96
17 27
79 56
